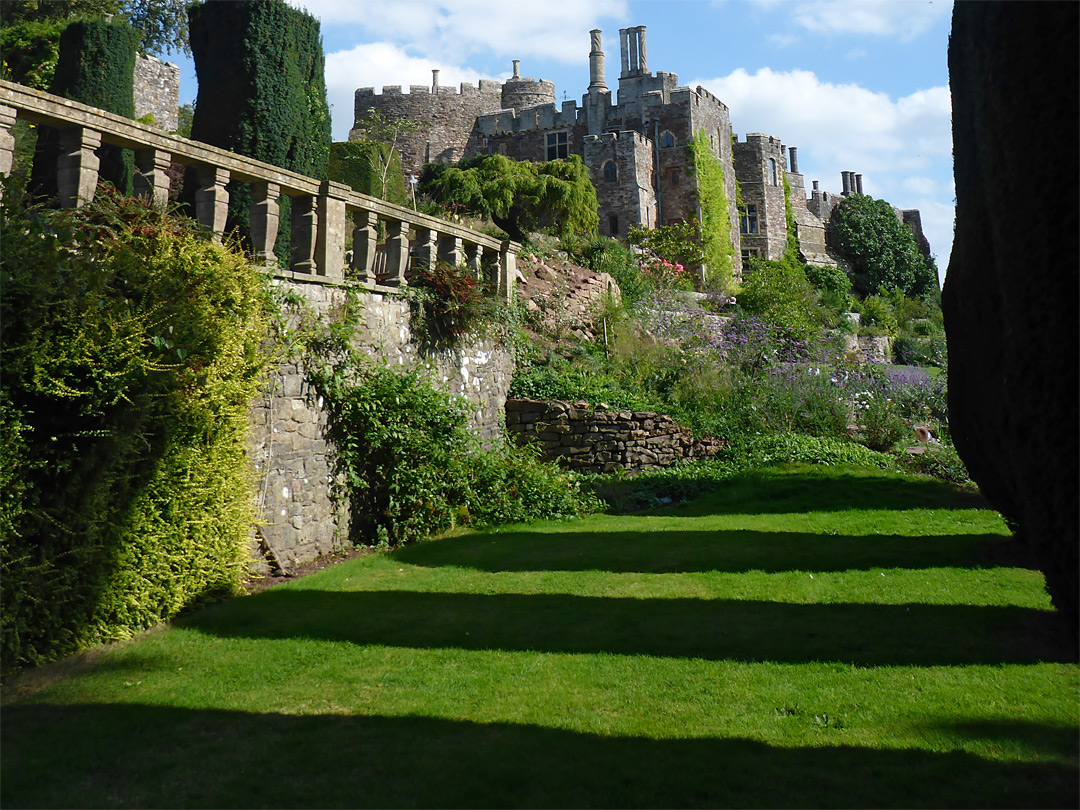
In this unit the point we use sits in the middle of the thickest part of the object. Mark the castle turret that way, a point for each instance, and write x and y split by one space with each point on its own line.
520 92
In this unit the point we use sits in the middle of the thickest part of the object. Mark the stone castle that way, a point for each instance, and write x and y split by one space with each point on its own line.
634 145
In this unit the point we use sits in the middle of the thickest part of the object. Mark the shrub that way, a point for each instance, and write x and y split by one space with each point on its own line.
131 350
410 467
882 251
447 301
879 420
716 241
878 317
778 292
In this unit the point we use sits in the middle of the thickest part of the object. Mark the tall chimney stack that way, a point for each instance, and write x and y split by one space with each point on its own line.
793 159
643 66
845 178
624 51
434 81
858 184
596 61
517 69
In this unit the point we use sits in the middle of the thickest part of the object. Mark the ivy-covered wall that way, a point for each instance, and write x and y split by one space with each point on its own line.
715 220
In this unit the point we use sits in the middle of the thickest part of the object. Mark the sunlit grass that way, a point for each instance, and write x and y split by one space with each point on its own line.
773 644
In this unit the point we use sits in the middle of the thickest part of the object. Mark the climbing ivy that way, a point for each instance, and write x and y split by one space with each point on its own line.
715 221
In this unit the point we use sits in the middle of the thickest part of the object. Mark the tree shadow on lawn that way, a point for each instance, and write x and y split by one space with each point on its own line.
732 551
130 755
738 630
773 490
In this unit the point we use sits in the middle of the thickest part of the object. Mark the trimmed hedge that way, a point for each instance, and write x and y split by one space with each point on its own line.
95 67
262 93
131 350
356 163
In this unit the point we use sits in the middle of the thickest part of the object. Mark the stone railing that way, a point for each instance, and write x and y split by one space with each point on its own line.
322 211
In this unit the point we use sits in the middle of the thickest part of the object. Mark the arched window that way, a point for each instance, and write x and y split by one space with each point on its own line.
772 171
611 172
667 140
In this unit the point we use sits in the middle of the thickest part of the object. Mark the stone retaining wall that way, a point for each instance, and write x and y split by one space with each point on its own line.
602 440
299 520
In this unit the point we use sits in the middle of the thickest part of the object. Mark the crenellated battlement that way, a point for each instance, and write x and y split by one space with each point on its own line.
482 88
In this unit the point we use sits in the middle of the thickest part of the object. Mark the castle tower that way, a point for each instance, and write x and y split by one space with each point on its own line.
518 93
760 167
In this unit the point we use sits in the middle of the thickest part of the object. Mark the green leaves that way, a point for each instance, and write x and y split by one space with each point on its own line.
881 250
518 196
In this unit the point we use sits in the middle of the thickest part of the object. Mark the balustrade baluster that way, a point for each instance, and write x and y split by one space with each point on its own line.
397 251
427 252
450 250
330 245
507 272
365 239
263 219
7 142
474 259
77 167
212 200
152 178
305 219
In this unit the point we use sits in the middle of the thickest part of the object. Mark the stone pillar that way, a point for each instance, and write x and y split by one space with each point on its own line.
793 159
77 168
397 251
7 140
365 237
858 184
263 218
474 259
624 52
644 66
434 81
152 175
450 250
507 272
305 223
212 200
330 243
427 252
596 61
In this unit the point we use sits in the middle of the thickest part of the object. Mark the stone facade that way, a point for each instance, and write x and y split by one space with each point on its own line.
601 440
299 520
760 166
157 91
448 115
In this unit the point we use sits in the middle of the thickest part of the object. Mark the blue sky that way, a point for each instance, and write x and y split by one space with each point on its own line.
858 85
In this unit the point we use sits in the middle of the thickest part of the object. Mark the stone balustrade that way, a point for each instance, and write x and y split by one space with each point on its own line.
322 211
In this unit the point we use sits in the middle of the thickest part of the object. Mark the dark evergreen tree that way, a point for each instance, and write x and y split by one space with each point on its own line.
262 92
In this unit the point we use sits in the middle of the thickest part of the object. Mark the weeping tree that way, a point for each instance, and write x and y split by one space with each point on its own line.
518 196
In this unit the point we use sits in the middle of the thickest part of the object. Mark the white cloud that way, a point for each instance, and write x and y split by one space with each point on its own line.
450 30
376 64
905 19
902 147
783 40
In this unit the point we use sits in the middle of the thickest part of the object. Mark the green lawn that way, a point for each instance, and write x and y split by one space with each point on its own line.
812 637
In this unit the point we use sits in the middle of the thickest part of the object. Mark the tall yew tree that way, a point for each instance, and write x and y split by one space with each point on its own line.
262 91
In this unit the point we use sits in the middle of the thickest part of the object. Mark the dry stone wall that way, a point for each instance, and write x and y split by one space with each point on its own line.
293 458
601 440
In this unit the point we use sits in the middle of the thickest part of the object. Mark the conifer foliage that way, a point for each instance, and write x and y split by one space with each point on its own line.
262 92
